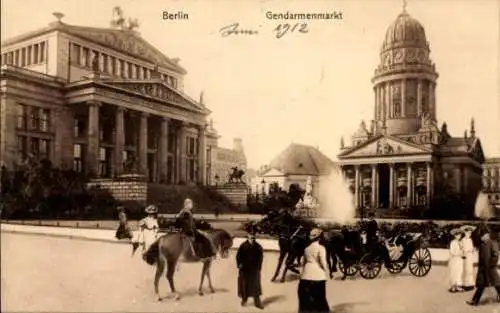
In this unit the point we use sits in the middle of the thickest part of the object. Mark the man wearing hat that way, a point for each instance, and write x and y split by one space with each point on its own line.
249 261
312 285
487 274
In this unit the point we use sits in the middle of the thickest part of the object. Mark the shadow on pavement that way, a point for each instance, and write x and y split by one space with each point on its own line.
346 307
273 299
191 292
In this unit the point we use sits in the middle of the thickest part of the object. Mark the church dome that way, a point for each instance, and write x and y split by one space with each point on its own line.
405 31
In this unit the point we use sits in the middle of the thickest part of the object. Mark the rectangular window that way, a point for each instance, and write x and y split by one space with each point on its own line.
103 162
102 154
42 52
10 58
35 147
130 67
45 120
21 116
22 151
77 158
75 54
85 57
122 68
105 65
44 149
35 118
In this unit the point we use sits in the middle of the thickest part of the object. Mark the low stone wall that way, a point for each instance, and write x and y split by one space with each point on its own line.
236 194
123 190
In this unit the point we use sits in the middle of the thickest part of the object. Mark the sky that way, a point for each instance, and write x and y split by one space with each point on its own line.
307 88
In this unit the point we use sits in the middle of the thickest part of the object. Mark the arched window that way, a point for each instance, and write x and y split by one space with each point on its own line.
396 100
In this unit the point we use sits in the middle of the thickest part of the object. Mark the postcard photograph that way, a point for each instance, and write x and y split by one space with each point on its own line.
245 156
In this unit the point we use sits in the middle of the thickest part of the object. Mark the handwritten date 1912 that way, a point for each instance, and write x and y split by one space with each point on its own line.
283 29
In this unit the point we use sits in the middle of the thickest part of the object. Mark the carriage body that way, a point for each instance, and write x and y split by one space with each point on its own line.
415 255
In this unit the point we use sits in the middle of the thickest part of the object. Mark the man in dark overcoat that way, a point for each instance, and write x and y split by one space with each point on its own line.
487 273
249 260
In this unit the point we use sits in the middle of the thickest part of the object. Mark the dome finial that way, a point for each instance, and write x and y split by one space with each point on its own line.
404 5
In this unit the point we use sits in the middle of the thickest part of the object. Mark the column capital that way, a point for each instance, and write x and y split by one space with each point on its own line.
166 119
391 164
120 108
144 114
374 166
94 103
357 166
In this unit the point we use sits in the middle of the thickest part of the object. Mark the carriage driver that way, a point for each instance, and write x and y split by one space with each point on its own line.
201 245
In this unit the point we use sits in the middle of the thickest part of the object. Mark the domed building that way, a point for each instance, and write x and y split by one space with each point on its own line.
404 164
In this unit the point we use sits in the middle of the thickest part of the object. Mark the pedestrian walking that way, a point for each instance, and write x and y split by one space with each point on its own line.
123 231
468 250
487 273
312 284
249 259
455 262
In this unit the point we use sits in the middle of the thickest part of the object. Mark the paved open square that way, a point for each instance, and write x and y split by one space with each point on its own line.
57 274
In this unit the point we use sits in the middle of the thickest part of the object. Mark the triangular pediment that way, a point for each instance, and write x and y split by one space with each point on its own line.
384 146
159 90
125 41
273 172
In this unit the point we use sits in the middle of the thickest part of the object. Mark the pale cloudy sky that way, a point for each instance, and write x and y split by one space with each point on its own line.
303 88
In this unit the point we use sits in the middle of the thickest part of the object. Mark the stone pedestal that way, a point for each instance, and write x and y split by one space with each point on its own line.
236 194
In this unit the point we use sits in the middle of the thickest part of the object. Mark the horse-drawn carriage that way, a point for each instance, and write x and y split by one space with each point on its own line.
408 250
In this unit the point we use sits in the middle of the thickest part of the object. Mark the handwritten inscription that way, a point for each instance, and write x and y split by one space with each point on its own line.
234 29
282 29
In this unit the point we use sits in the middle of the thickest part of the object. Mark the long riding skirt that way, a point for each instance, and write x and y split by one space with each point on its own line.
312 296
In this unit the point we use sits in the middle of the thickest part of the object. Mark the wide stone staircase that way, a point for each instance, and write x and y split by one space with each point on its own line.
170 198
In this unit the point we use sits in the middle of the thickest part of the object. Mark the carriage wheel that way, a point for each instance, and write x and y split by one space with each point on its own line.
397 267
350 270
370 266
420 262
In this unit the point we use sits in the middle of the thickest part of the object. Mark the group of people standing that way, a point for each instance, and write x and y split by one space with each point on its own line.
461 262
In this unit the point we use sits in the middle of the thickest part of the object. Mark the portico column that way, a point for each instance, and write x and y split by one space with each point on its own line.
181 150
356 187
409 185
163 155
119 139
202 150
391 185
93 138
374 186
143 143
429 175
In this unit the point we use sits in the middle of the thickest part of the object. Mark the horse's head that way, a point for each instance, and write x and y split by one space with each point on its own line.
223 242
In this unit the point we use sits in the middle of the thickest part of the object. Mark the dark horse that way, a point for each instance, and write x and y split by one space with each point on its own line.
176 247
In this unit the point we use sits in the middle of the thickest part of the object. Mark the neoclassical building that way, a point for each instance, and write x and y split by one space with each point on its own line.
101 100
491 182
403 160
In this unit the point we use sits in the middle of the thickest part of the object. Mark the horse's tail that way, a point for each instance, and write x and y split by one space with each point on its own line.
152 254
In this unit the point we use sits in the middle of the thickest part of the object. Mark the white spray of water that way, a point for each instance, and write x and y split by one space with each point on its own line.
483 209
335 199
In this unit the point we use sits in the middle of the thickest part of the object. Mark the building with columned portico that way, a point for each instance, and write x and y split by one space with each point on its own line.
99 100
403 161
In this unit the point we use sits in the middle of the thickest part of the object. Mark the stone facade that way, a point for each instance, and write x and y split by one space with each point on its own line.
403 158
223 160
123 190
491 181
101 101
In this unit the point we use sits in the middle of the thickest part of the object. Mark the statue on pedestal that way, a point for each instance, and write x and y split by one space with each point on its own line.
236 176
308 202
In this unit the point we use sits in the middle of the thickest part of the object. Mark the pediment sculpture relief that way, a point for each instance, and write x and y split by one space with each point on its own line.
384 148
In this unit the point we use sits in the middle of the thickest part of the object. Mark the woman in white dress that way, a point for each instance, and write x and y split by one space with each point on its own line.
468 279
148 228
455 263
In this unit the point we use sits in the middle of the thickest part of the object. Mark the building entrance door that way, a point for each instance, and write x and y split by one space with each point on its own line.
383 185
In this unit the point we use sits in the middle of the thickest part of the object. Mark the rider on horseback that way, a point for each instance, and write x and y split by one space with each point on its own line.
200 244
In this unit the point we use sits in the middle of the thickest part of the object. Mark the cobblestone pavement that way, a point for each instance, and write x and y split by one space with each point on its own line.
58 274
